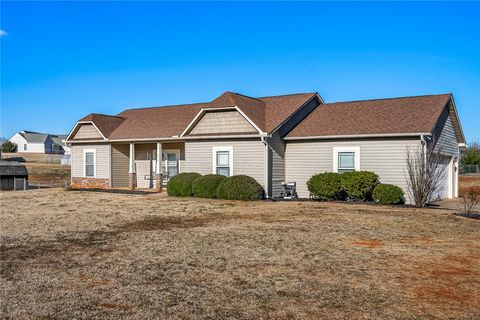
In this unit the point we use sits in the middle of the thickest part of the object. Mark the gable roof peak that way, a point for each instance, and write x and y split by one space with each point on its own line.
93 116
230 99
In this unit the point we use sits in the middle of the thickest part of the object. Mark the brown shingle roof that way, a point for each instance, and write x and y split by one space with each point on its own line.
159 122
383 116
105 123
279 108
164 122
253 108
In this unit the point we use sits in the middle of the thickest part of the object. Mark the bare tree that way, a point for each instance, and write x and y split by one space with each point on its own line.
469 202
424 172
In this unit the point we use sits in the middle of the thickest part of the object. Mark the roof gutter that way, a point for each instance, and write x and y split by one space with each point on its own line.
353 136
173 138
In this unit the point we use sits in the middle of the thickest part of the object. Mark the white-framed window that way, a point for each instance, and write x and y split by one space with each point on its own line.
24 146
170 162
89 163
346 159
222 161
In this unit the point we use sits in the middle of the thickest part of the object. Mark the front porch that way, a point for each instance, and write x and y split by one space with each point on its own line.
145 165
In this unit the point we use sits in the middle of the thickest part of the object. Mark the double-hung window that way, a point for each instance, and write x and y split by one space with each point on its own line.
223 161
89 156
346 159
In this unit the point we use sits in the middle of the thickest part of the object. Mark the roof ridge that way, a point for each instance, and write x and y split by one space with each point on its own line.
288 94
242 95
393 98
105 115
206 103
168 106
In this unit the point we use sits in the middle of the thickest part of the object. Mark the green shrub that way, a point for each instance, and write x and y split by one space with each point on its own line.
240 188
326 186
206 186
9 147
388 194
181 184
359 185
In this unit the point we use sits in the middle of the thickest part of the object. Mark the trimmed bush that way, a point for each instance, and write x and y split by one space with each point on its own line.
359 185
181 184
326 186
240 188
206 186
388 194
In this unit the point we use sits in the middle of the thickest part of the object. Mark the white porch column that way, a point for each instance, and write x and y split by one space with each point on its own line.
131 166
132 176
159 157
159 167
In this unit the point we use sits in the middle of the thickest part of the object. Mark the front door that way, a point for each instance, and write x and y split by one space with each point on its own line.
170 161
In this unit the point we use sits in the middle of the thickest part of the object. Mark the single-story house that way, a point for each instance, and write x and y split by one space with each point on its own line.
9 172
272 139
36 142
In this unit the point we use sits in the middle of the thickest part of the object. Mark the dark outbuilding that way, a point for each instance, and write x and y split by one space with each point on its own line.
9 170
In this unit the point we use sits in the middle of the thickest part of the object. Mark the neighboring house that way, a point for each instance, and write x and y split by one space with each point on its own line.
272 139
59 144
9 172
36 142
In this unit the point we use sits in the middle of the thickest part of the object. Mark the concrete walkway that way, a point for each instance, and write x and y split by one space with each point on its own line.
453 204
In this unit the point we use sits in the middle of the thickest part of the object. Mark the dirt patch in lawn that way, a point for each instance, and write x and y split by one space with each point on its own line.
91 255
453 286
163 223
372 244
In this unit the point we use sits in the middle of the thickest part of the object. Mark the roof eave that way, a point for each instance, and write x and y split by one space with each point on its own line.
167 139
359 136
457 120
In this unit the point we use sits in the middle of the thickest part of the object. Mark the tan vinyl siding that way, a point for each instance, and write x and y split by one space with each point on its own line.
446 138
142 168
386 157
248 157
120 163
87 131
222 122
175 146
102 162
143 149
277 165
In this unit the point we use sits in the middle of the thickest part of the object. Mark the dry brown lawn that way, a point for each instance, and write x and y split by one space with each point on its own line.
47 174
89 255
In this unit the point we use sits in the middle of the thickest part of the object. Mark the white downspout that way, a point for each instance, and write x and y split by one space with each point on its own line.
424 146
266 182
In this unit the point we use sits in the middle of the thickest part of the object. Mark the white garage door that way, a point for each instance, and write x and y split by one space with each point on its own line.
442 192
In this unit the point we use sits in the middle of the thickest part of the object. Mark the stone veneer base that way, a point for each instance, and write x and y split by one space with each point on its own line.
90 183
132 180
158 182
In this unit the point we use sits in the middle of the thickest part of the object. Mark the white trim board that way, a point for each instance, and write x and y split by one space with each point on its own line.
199 115
79 123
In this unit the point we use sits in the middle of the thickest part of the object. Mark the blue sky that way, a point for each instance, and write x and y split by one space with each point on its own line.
63 60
